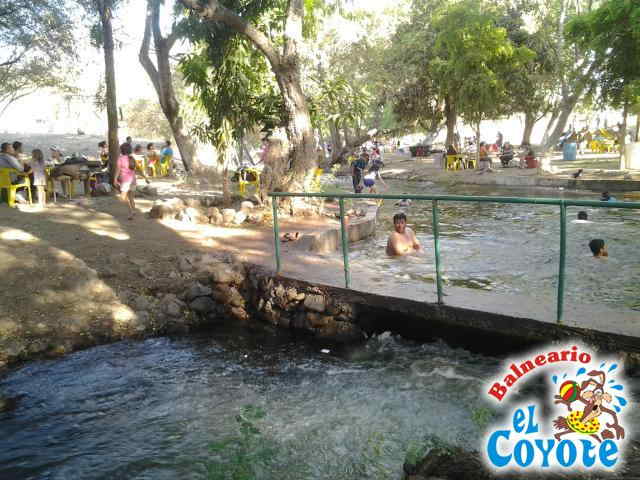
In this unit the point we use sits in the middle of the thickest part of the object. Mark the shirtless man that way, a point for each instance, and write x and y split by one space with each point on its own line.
403 240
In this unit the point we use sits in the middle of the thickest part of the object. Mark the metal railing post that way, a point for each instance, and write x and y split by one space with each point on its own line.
276 232
345 244
563 255
436 246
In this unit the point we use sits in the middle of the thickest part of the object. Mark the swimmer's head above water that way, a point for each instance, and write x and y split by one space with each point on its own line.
400 222
598 248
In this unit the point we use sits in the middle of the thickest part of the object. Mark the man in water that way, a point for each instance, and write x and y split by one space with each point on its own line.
598 248
582 217
403 240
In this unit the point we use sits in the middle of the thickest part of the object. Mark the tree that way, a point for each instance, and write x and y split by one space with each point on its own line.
421 97
285 64
612 33
533 88
102 36
145 119
36 48
232 88
161 78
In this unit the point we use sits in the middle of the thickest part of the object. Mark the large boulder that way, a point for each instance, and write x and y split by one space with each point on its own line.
203 305
228 215
163 209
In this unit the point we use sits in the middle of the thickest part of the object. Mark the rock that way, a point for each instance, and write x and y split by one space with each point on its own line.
239 218
292 294
145 273
319 321
246 206
143 318
341 332
228 215
203 305
315 303
148 190
107 272
142 302
197 290
185 265
172 306
216 219
228 295
240 314
138 262
163 209
191 202
224 273
8 327
448 463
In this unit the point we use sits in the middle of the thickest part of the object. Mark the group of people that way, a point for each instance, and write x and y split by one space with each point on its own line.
12 156
365 169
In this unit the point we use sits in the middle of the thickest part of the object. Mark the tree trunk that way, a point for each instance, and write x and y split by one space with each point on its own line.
336 141
622 135
301 157
345 132
529 123
566 108
226 191
110 80
478 144
635 138
450 118
162 80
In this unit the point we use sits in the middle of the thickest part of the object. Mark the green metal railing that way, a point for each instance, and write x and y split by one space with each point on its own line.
563 204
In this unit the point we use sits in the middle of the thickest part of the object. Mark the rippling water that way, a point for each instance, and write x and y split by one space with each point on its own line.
513 248
149 410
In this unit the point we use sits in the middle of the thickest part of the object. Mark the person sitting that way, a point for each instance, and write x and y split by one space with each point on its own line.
8 160
598 248
103 153
507 154
485 161
403 240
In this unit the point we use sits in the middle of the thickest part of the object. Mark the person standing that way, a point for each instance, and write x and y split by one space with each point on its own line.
39 175
357 169
125 178
499 140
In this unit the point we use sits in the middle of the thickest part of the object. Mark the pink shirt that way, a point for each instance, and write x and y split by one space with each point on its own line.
126 174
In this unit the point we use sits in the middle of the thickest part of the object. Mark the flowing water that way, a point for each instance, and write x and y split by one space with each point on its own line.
512 248
150 410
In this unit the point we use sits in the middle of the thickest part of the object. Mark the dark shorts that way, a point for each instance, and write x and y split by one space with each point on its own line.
368 182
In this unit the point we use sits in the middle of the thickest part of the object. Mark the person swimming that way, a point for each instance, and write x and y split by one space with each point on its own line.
582 218
403 240
598 248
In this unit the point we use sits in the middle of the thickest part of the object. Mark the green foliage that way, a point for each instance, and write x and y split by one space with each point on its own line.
475 57
145 119
612 33
241 456
36 47
481 416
